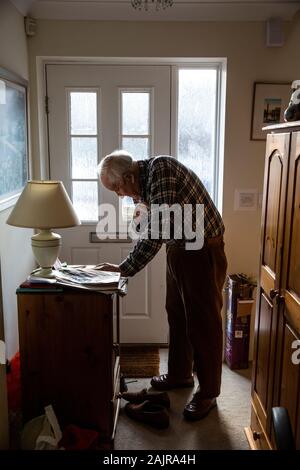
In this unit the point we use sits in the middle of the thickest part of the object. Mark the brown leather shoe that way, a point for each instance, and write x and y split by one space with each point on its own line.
198 407
149 413
164 382
144 395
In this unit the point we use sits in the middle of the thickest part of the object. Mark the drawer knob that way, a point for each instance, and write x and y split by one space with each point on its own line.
256 435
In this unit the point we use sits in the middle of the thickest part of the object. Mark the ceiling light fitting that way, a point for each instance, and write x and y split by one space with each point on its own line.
159 4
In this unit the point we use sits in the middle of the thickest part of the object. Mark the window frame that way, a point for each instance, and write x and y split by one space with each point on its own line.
174 63
17 84
150 136
97 136
220 67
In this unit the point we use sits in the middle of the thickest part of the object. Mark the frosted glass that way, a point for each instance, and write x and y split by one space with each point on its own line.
197 122
84 157
128 207
135 113
13 139
83 113
137 146
85 199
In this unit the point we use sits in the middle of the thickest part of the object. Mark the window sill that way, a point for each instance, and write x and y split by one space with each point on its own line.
9 201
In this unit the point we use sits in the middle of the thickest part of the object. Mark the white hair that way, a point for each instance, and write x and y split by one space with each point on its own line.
115 165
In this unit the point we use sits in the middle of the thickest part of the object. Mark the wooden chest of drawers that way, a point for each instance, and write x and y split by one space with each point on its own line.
70 357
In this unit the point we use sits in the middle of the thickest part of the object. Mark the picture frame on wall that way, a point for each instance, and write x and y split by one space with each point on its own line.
270 100
14 167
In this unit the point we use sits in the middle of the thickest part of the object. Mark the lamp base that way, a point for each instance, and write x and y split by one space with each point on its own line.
44 272
45 247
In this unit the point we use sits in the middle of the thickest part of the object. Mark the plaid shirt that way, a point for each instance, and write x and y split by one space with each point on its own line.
164 180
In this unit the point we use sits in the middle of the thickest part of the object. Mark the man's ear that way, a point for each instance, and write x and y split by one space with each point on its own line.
128 177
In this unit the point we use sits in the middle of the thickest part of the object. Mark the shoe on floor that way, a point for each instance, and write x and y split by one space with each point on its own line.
158 398
164 382
148 413
198 407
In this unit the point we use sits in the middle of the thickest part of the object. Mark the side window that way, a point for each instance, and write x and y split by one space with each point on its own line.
83 151
197 123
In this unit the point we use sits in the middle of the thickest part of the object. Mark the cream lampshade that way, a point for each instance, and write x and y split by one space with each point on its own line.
44 205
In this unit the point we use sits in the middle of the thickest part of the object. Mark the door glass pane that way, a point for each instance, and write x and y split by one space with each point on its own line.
85 199
83 113
84 157
197 122
137 146
127 208
135 115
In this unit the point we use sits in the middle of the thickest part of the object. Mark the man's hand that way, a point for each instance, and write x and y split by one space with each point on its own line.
108 267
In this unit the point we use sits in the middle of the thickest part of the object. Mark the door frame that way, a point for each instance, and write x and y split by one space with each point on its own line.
42 166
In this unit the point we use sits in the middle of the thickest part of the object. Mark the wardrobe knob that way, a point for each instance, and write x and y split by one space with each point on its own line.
256 435
280 299
273 293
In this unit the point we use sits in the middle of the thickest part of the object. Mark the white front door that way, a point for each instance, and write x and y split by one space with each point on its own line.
93 110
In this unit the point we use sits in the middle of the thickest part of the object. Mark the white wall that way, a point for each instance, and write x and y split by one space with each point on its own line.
249 60
15 251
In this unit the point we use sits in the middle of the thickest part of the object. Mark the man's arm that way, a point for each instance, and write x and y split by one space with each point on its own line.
137 259
141 255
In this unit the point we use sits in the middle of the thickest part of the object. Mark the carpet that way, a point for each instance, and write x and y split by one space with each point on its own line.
222 429
139 361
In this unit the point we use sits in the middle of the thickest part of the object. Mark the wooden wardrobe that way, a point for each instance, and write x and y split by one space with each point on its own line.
276 362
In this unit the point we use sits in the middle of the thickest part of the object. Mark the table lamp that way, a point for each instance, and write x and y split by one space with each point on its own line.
44 205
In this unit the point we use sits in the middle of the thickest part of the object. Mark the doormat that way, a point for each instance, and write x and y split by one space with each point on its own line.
139 361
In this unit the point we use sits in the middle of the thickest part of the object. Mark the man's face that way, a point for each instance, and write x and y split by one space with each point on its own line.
125 187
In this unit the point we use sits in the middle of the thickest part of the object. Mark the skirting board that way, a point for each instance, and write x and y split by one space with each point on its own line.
250 439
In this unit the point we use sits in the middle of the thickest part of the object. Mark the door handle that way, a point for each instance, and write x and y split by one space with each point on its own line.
273 293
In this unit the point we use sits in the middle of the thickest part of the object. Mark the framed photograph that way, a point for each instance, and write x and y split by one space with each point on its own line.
13 137
270 100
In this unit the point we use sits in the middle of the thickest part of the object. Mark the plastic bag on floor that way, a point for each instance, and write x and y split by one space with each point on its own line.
50 434
42 432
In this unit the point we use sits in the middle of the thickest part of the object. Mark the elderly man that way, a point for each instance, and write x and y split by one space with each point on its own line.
195 277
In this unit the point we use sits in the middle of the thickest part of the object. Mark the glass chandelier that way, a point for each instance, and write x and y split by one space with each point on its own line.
159 4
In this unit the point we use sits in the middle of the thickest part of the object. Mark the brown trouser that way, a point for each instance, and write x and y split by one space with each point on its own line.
195 280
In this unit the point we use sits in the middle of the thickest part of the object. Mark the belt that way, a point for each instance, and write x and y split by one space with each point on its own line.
207 242
213 240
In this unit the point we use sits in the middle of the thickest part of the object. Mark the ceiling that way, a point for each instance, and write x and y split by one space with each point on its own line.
182 10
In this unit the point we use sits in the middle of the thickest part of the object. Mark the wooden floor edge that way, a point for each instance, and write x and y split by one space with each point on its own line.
250 439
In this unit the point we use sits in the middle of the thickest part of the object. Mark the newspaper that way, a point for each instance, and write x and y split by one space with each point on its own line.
88 276
85 277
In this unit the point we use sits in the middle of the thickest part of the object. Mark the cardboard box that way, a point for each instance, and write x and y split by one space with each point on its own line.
244 307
